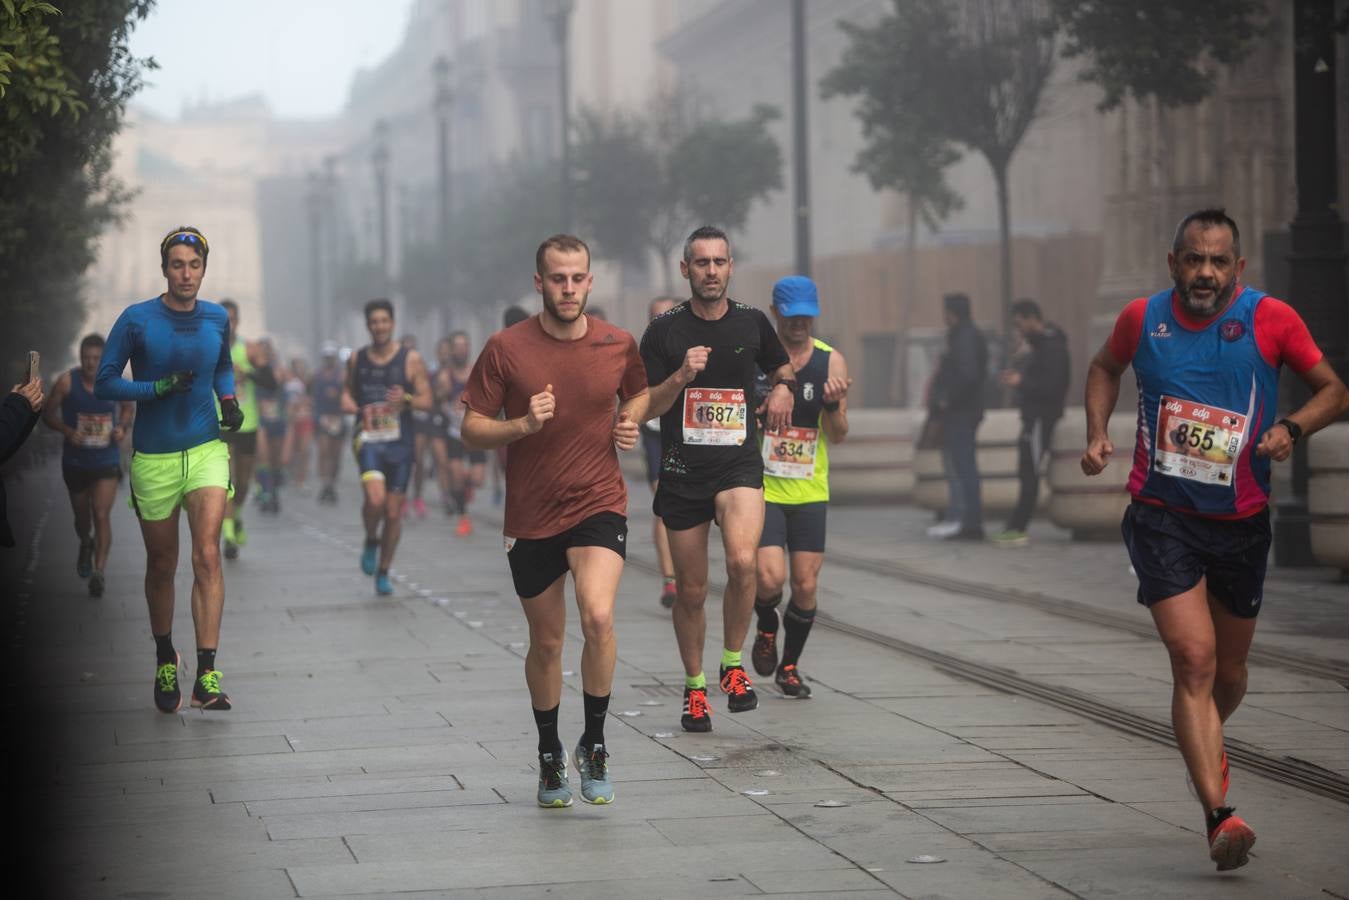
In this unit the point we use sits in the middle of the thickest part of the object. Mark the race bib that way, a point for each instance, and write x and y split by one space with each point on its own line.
790 453
1197 442
379 424
93 430
269 409
714 416
331 424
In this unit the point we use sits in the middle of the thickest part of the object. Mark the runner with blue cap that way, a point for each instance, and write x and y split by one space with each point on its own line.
796 484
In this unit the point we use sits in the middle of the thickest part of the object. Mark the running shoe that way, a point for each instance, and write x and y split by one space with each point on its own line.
739 691
370 557
240 536
668 593
206 692
96 584
465 526
419 507
227 533
84 563
765 652
383 586
595 784
168 696
1230 841
943 529
1227 780
789 681
554 788
697 715
1010 537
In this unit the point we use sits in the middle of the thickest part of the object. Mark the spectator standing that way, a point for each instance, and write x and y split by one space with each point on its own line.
957 406
18 415
1041 383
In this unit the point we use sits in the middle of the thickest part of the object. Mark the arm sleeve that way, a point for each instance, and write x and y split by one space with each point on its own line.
1283 337
109 383
772 355
634 373
485 392
1128 331
224 367
657 370
16 423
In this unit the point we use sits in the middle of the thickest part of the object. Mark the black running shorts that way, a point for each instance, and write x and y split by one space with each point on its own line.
457 450
797 526
680 512
79 480
537 562
1171 552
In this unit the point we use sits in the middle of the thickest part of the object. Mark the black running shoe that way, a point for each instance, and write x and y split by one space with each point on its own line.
206 692
96 584
765 652
168 696
739 691
84 563
697 716
790 683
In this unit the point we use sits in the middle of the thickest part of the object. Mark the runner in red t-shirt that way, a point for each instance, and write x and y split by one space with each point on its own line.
1207 356
572 388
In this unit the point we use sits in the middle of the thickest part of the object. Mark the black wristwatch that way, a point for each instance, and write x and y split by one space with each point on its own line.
1294 429
790 382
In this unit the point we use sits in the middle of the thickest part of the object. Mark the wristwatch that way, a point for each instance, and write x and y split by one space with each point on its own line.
1294 429
790 382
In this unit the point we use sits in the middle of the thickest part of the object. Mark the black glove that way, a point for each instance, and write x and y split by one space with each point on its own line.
231 416
177 383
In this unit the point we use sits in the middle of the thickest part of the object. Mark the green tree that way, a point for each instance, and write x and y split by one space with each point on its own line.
969 72
70 77
1156 48
644 182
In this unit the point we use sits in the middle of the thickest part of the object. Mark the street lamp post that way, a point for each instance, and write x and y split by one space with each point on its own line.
443 105
800 140
560 12
379 158
314 203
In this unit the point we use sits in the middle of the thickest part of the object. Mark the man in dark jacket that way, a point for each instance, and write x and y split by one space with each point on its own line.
957 402
18 415
1041 382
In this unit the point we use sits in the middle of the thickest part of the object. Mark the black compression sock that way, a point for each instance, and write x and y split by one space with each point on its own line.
796 622
546 720
164 652
1215 817
205 660
596 709
767 610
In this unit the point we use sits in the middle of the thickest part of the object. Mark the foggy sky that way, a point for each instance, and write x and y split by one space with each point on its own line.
300 55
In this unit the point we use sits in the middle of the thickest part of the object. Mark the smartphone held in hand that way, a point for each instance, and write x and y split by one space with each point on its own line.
33 362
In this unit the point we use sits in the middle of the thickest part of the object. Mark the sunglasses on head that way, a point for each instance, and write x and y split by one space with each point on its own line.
191 238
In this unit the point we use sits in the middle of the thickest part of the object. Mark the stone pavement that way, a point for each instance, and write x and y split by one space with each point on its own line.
384 746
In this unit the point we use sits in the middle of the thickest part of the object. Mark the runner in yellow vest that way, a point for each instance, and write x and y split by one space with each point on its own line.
796 484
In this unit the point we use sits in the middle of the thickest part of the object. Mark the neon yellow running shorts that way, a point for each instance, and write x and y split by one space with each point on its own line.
159 481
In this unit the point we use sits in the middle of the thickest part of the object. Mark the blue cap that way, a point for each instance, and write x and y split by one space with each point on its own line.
796 295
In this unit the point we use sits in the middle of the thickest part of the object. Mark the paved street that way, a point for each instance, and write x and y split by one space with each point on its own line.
384 746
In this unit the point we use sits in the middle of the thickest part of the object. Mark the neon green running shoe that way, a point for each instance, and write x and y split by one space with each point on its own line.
206 692
168 696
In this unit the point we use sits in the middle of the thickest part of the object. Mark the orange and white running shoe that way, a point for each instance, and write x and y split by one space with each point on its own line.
1230 841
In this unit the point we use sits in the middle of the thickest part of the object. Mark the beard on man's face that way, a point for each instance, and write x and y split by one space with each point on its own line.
1204 297
553 309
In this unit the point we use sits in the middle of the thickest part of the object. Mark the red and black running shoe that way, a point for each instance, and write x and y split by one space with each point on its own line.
739 690
1230 840
765 652
790 683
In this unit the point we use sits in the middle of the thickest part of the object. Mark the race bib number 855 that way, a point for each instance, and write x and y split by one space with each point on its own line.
714 416
1197 442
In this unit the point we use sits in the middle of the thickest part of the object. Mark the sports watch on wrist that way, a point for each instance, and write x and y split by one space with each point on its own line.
1294 429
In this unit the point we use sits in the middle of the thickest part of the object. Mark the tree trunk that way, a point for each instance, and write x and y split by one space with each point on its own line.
1005 260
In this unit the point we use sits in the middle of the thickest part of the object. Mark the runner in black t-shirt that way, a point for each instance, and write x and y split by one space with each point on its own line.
701 361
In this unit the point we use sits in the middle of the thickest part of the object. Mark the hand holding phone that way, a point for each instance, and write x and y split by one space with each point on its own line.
34 361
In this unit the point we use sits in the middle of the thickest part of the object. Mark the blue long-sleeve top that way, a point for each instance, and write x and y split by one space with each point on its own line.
159 341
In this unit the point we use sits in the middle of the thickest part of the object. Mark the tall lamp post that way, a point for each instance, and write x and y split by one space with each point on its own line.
560 12
443 105
314 202
800 140
379 159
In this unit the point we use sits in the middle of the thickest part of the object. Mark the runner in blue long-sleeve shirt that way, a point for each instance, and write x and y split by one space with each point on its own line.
178 347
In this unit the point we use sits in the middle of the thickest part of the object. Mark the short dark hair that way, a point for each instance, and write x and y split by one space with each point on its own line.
1212 217
1027 308
457 333
230 305
958 305
567 243
673 301
183 234
93 339
378 304
705 233
513 315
